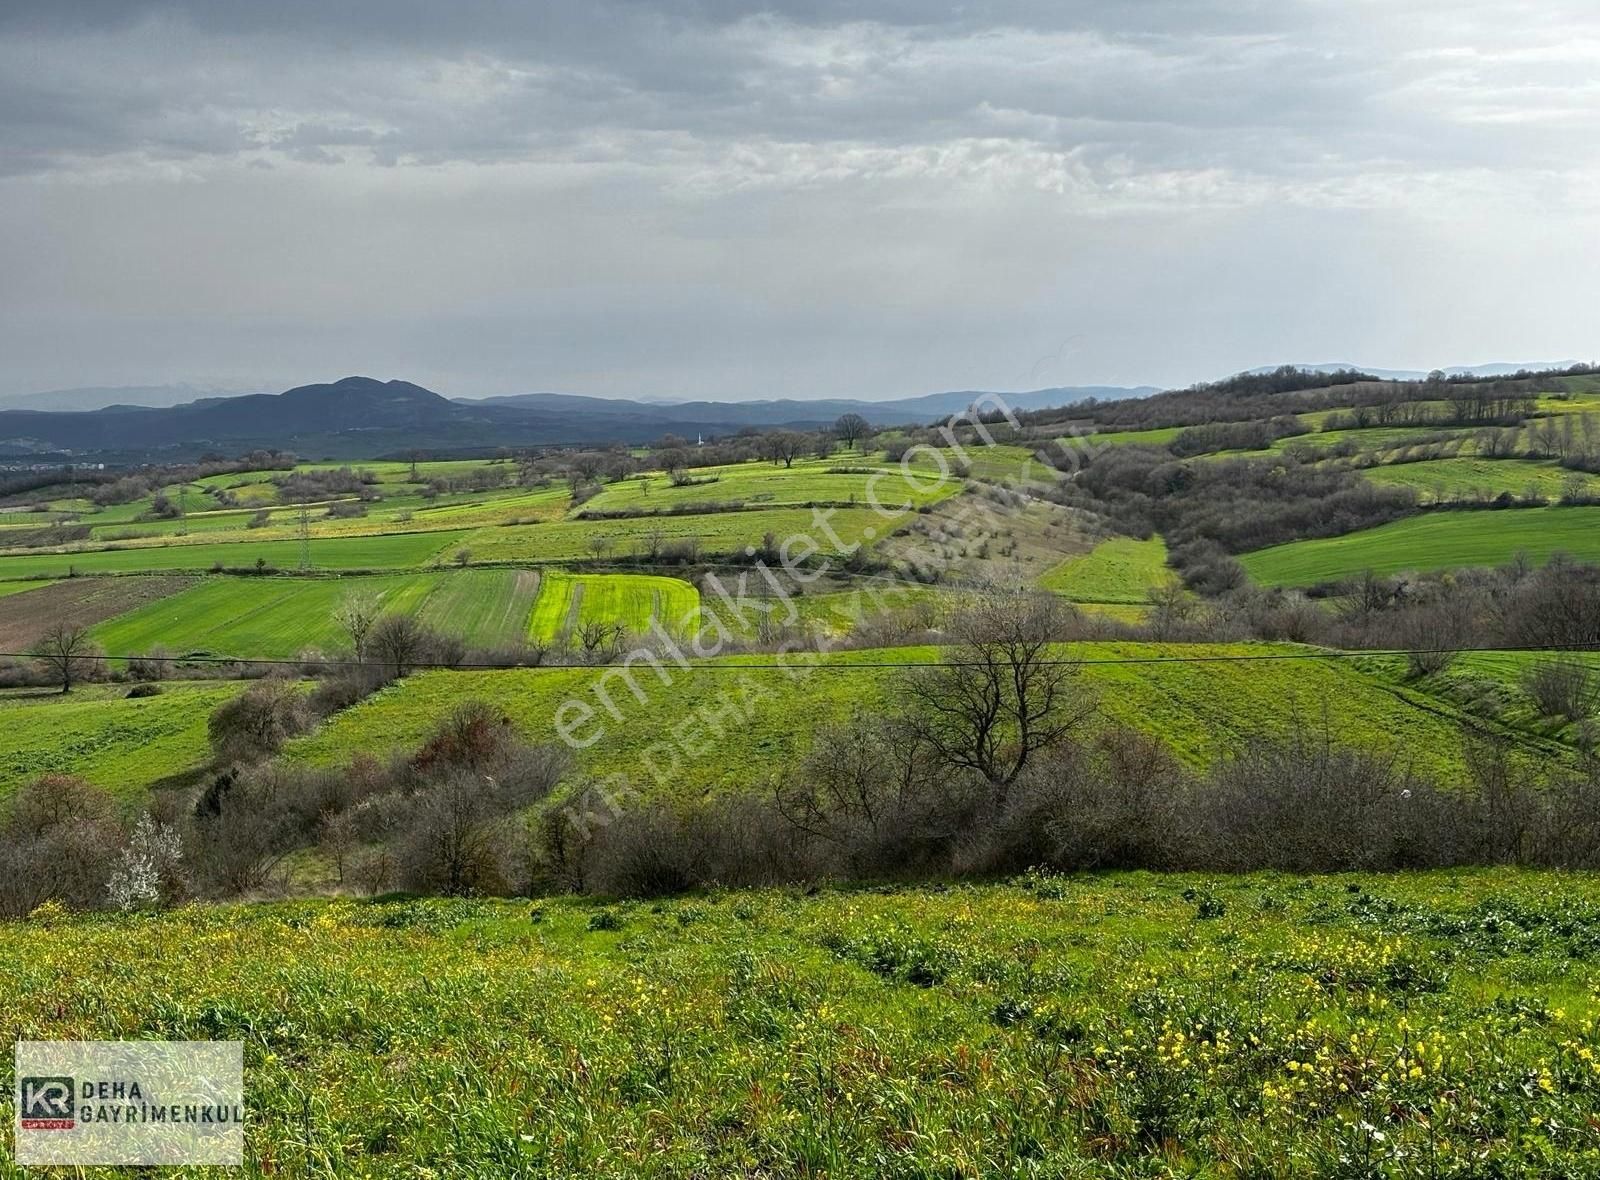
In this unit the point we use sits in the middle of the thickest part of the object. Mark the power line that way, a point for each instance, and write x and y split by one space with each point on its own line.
801 663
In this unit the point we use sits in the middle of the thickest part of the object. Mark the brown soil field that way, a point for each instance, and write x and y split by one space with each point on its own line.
84 601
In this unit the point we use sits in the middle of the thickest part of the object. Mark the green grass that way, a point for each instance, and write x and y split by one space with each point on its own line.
1117 1025
566 601
1481 479
722 728
95 732
761 483
718 533
1432 541
278 617
1159 437
1119 570
392 551
7 588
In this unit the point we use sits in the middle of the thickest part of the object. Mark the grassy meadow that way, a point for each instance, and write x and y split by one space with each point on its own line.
1121 1025
282 617
96 732
732 726
1118 570
567 601
1432 541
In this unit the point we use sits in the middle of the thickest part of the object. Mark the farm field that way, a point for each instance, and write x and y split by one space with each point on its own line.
1158 437
1473 478
96 732
1119 570
78 602
567 601
764 483
1270 1025
716 533
391 551
1432 541
282 617
678 738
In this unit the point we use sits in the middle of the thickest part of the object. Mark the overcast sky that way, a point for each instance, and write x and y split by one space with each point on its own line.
873 198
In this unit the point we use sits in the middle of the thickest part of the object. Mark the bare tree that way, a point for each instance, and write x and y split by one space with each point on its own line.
356 615
397 640
66 652
785 446
851 429
1004 692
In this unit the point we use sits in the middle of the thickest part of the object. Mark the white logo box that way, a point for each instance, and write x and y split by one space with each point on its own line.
129 1102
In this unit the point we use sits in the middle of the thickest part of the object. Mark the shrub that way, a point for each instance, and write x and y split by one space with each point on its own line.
255 724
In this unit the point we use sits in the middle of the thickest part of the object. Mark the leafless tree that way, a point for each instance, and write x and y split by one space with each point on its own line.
1003 693
398 641
785 446
66 652
356 615
851 429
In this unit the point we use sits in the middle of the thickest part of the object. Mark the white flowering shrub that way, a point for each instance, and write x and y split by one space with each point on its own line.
152 854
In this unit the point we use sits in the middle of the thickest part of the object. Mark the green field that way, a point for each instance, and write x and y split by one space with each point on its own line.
722 728
717 533
391 551
567 601
807 481
1118 1025
1482 479
95 732
1432 541
1120 570
1159 437
278 617
7 588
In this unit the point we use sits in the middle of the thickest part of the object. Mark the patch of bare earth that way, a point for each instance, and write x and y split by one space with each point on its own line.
81 601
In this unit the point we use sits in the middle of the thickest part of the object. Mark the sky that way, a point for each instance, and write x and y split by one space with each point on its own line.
811 198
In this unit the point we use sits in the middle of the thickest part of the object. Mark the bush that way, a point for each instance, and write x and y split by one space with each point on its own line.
256 723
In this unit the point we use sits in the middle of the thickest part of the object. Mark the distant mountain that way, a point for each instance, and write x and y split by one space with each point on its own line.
809 413
1490 370
362 418
99 397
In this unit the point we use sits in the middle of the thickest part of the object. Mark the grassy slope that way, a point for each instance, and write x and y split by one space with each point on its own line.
718 533
120 744
566 600
1090 1027
1440 540
1119 570
273 617
394 551
1198 708
1479 478
762 483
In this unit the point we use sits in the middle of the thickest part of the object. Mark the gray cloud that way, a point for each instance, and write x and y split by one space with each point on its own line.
874 197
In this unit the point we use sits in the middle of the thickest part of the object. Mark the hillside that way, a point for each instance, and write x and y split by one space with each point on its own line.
1050 1025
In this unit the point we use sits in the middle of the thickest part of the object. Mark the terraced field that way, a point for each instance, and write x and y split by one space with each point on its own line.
1119 570
281 617
1482 479
718 533
391 551
567 601
814 481
123 745
1432 541
722 729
